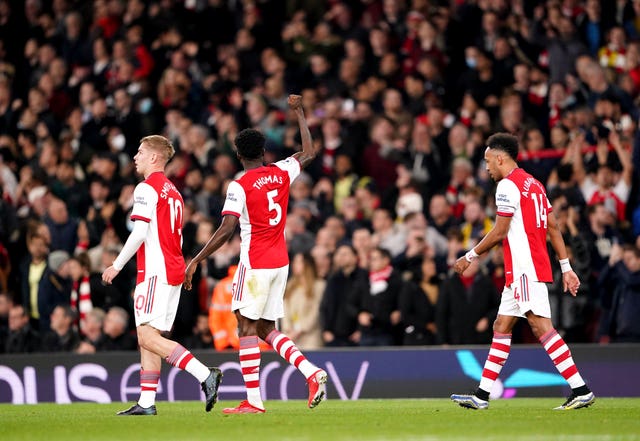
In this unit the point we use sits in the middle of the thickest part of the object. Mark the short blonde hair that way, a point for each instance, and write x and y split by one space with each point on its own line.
159 144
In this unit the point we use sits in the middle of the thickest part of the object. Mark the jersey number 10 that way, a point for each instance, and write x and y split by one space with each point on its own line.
175 213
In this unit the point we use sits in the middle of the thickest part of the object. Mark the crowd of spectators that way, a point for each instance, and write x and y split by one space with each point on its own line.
400 96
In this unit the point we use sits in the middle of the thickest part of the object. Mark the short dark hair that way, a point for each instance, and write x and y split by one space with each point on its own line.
349 247
383 252
69 312
633 249
250 143
565 172
505 142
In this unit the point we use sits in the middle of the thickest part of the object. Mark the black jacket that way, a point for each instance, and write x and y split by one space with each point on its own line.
380 305
458 310
417 311
52 342
337 315
22 341
620 290
53 290
124 342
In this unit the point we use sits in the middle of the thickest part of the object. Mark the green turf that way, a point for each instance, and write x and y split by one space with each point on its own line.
407 420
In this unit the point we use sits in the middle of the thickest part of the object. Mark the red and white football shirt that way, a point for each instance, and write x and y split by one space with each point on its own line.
157 201
615 197
521 197
260 200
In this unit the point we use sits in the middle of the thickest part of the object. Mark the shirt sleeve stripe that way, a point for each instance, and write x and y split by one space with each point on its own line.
232 213
135 217
504 213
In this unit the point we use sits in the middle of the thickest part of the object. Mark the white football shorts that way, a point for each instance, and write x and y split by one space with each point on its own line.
259 293
156 303
525 295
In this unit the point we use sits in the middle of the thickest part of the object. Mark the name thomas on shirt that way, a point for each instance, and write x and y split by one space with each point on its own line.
263 180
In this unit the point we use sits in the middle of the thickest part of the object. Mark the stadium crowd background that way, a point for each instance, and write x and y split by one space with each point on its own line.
399 95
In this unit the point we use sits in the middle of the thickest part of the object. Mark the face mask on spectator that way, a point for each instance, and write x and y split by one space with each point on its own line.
145 105
118 142
471 62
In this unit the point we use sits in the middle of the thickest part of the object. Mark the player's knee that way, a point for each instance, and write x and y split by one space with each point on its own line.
264 328
144 336
500 327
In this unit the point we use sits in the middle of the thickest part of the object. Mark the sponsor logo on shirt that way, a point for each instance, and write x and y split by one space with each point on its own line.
140 200
502 198
232 197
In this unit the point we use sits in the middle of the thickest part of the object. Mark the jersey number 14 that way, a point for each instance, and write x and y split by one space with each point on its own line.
540 209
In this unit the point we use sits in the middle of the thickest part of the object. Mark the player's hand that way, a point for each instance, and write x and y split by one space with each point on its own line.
571 282
461 265
295 102
109 274
188 275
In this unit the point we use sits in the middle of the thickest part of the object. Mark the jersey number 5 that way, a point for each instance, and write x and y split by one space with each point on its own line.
540 209
273 205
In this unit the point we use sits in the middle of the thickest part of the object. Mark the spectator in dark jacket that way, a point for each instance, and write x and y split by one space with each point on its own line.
467 305
337 315
62 337
116 336
418 306
92 332
378 305
54 288
572 314
22 337
63 228
620 287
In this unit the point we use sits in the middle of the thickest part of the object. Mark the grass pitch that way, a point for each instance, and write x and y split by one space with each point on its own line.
371 420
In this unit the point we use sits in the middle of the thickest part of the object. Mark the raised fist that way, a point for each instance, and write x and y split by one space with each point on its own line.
295 102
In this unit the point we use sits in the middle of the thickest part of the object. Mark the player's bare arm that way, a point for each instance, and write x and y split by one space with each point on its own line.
217 239
493 237
624 157
308 153
570 280
135 239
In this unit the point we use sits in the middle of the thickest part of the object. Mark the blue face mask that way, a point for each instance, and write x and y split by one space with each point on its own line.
145 105
471 62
